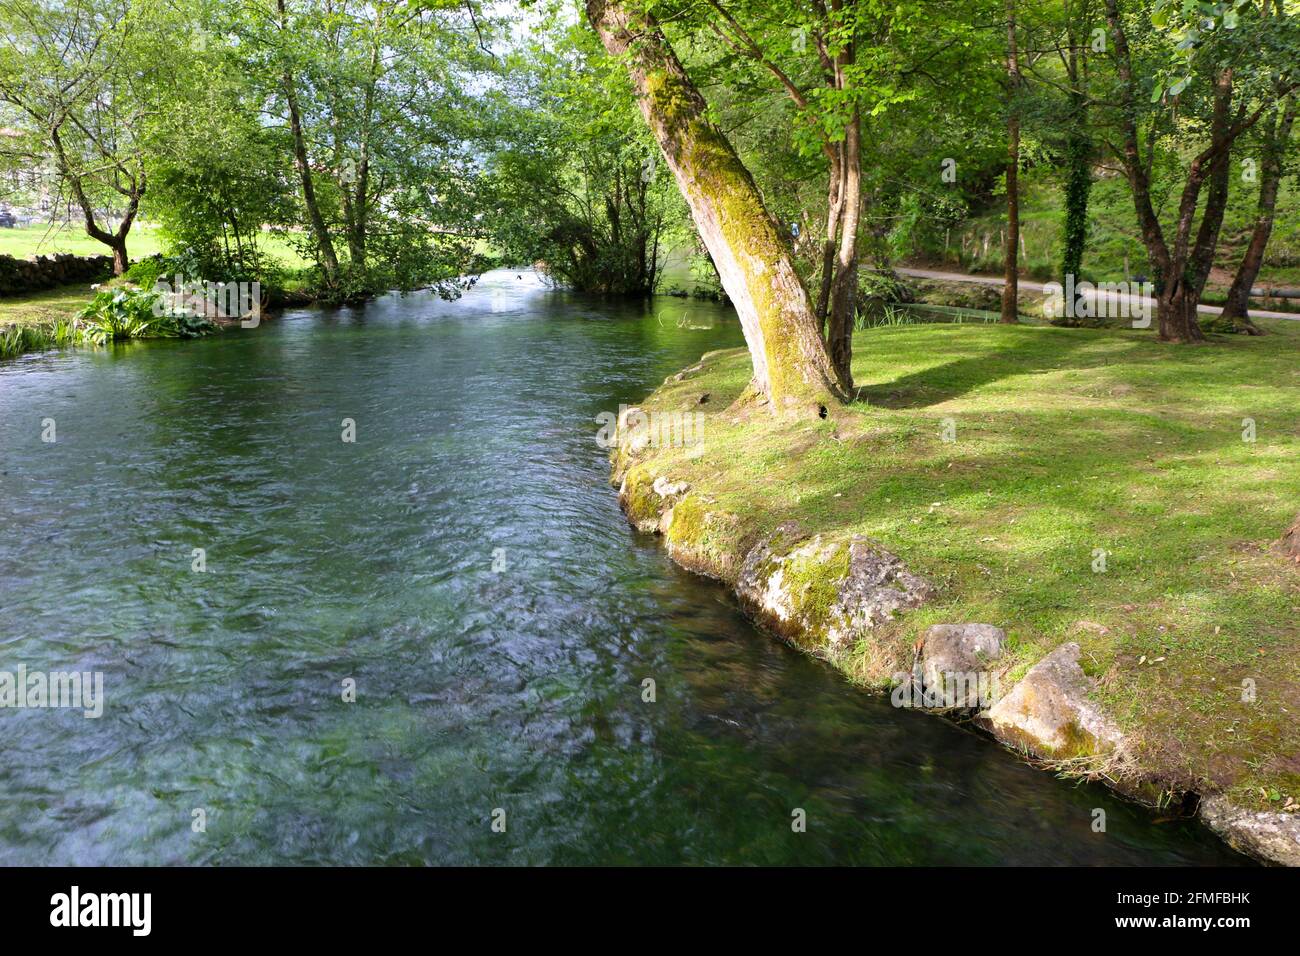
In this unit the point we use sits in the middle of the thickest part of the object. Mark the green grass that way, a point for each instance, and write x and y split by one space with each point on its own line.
42 308
1068 440
143 241
26 241
58 334
43 314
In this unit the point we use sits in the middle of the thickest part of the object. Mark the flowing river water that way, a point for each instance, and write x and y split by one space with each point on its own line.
225 737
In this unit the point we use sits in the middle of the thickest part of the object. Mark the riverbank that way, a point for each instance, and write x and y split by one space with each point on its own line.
1109 504
53 318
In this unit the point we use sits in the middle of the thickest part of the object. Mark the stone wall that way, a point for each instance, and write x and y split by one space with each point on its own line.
18 276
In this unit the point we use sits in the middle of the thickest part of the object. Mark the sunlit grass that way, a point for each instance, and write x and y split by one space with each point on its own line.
143 240
1067 442
42 308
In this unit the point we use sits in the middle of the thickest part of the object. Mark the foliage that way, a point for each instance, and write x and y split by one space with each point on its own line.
116 314
579 185
17 339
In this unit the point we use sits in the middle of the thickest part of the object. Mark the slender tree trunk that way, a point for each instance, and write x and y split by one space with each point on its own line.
1276 141
844 294
121 262
1078 186
1078 153
358 236
791 365
834 208
1197 256
329 261
1011 259
1176 317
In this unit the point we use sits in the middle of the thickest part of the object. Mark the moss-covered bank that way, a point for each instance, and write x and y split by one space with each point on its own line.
1110 503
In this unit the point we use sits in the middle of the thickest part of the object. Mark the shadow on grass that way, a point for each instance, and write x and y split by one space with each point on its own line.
941 383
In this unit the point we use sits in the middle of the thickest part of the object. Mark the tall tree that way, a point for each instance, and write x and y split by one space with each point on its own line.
811 52
842 64
791 366
579 185
1243 73
1276 140
372 103
1011 259
84 92
289 86
1078 141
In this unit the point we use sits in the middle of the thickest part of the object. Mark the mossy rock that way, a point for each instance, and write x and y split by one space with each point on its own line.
827 592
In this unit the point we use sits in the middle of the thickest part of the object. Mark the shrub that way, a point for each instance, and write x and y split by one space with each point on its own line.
115 314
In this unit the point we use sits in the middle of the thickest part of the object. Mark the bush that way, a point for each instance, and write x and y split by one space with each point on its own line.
116 314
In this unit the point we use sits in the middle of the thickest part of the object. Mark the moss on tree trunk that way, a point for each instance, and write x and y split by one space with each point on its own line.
791 364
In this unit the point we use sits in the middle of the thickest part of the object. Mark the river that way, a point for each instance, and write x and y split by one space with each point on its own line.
464 566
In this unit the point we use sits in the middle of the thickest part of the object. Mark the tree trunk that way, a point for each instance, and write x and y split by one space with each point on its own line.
1201 258
844 294
357 236
1078 186
1192 260
1181 268
1078 157
116 241
1176 312
329 261
834 208
1011 259
1276 141
120 260
791 365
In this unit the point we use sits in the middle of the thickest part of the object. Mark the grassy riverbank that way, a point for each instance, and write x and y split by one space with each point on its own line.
47 306
41 320
1067 442
35 320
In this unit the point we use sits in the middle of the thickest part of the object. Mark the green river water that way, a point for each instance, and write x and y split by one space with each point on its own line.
476 689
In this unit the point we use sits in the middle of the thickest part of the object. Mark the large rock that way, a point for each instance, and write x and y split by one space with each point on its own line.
1049 713
1269 836
826 592
956 656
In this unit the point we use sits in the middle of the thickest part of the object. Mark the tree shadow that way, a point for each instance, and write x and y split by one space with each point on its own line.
941 383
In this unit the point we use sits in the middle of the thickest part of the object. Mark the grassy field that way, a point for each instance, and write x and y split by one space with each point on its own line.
42 308
144 240
1067 441
25 241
